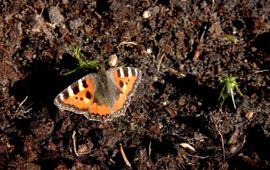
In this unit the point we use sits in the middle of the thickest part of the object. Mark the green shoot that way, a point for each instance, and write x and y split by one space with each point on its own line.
231 38
229 85
81 63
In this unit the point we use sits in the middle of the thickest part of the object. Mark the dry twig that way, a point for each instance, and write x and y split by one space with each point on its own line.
127 43
160 61
186 145
221 138
74 143
22 110
149 149
124 156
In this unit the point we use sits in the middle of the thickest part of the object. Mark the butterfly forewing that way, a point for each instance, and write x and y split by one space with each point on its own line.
77 97
127 80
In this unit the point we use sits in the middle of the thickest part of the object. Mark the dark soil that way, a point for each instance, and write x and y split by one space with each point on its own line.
183 49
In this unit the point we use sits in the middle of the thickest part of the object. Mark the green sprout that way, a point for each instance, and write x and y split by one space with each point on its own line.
229 85
81 63
231 38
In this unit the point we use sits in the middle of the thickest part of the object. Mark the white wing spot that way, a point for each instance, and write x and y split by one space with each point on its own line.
61 96
81 88
129 72
70 91
121 72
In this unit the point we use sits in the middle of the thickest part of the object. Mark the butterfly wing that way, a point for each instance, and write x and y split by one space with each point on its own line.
127 80
77 97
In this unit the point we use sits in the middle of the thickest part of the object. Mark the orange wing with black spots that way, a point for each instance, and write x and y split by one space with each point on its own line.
127 80
77 97
83 96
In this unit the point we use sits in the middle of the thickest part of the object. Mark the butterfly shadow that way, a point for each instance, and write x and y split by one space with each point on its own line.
39 86
42 83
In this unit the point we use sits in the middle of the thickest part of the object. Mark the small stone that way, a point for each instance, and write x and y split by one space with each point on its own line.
146 14
193 108
31 166
181 102
113 60
149 51
85 148
172 112
65 2
249 115
75 24
55 16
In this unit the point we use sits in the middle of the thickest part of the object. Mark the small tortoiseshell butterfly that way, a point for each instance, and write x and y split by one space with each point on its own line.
101 96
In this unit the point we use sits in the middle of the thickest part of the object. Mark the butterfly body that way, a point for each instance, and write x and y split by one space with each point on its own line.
105 89
102 95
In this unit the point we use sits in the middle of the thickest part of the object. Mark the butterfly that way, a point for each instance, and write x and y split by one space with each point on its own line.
101 96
